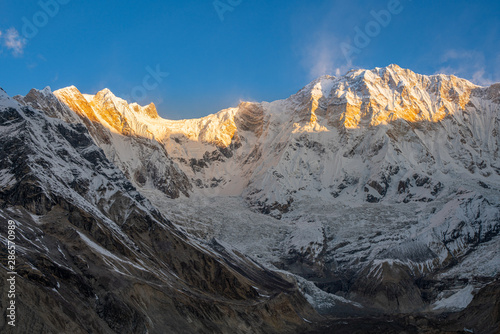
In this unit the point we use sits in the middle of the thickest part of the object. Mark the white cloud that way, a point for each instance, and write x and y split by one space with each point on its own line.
322 55
13 41
468 64
455 54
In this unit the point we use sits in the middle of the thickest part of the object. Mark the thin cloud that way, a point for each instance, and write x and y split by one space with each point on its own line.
455 54
13 41
497 68
468 64
323 56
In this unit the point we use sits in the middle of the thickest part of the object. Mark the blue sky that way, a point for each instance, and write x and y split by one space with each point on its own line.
192 58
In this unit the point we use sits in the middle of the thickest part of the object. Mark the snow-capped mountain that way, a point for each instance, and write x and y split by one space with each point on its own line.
93 255
382 135
379 190
143 160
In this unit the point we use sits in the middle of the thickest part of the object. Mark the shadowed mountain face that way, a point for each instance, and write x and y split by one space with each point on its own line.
378 191
93 255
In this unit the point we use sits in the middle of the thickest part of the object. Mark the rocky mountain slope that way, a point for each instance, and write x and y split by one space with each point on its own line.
387 134
95 256
379 190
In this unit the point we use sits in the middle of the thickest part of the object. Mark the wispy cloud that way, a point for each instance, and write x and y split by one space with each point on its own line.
13 41
322 55
468 64
460 54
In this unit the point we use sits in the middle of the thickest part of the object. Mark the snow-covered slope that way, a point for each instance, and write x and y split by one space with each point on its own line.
378 186
6 101
143 160
94 255
385 134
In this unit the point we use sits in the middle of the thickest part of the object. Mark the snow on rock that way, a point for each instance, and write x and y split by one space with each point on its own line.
376 169
87 238
457 301
6 101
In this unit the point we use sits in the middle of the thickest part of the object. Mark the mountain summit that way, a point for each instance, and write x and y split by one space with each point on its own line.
378 190
367 129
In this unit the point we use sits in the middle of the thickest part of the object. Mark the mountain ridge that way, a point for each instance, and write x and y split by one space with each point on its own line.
362 99
390 72
379 188
94 255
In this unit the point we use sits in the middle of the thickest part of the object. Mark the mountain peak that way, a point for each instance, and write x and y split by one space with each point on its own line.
297 160
360 98
107 95
70 92
394 66
383 95
47 91
105 92
151 111
75 100
6 100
